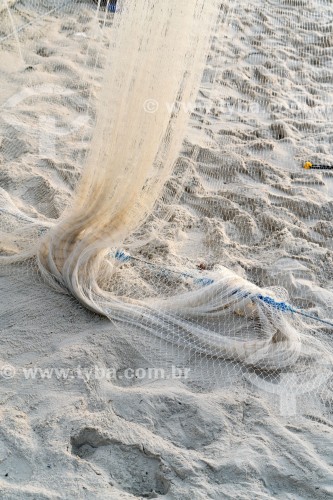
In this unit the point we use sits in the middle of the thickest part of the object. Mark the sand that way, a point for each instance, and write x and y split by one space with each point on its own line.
247 205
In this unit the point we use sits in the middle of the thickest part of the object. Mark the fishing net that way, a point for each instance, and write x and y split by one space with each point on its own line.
200 244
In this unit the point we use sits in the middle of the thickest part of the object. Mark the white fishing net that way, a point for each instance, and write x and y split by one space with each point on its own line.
199 249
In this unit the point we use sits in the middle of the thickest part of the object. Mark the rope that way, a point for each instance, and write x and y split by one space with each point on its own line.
307 165
285 307
280 306
123 257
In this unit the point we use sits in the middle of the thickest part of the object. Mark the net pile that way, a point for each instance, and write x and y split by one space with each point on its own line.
114 239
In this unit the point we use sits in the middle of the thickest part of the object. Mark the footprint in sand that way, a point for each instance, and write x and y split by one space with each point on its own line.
129 468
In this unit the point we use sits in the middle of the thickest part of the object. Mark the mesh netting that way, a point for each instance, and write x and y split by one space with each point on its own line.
213 251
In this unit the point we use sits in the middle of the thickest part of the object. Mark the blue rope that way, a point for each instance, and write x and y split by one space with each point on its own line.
119 255
280 306
285 307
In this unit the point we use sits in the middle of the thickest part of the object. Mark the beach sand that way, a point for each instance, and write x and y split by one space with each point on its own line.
247 204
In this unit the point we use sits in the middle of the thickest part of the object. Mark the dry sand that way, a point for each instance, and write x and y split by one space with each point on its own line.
247 205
